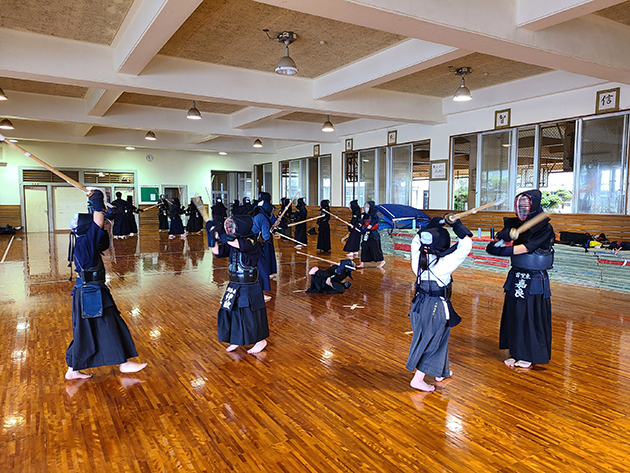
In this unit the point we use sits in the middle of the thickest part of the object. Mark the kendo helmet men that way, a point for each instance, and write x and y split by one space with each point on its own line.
527 204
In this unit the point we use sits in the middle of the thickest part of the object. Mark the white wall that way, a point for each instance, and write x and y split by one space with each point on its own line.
168 167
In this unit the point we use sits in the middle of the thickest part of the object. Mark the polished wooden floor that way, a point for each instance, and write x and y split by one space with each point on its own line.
330 393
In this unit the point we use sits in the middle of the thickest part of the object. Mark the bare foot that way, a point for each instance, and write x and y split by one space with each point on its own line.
381 264
171 237
359 266
509 362
267 298
231 348
298 247
183 237
442 378
350 255
131 367
272 276
418 382
71 374
313 270
260 346
523 364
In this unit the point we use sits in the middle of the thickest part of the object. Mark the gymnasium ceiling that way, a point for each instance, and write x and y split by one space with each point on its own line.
107 71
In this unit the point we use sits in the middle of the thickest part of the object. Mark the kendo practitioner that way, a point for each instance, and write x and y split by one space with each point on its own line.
177 226
195 220
235 208
323 234
130 210
300 230
100 336
216 237
246 208
371 240
263 219
121 223
353 244
286 218
433 259
242 318
526 319
163 213
331 280
219 209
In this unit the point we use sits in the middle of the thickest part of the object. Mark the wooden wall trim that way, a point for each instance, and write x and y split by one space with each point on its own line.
10 215
616 227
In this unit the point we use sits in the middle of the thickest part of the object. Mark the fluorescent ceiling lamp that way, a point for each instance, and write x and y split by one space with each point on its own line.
150 136
258 144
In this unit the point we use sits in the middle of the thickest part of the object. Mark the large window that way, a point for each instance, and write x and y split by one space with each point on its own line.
579 165
351 176
292 178
602 166
420 175
495 168
383 175
557 159
308 176
464 171
324 177
400 175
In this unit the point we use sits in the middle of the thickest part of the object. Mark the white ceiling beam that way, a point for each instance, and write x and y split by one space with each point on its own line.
198 139
252 116
356 127
99 101
31 56
50 108
153 23
63 133
589 45
536 15
82 129
402 59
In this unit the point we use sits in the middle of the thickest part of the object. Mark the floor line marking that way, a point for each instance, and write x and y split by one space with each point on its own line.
7 250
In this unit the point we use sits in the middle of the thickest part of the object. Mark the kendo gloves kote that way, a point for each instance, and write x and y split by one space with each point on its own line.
499 250
460 229
96 201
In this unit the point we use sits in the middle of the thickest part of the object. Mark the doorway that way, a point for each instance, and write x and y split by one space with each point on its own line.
36 208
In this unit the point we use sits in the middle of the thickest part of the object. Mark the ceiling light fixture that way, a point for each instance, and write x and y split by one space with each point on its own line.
3 96
6 124
462 94
12 140
150 136
130 148
286 66
222 153
258 143
193 113
328 126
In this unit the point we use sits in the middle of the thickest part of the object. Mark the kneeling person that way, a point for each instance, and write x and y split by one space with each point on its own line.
331 280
